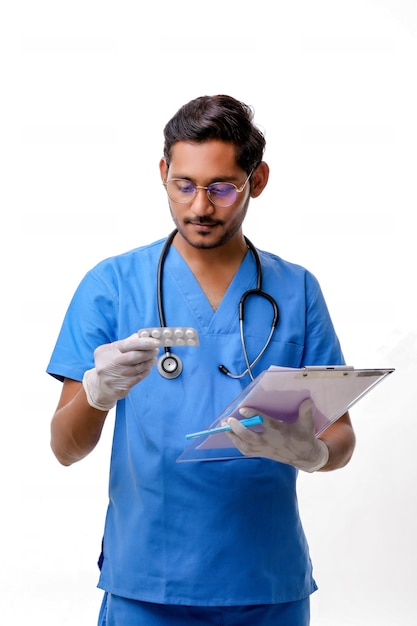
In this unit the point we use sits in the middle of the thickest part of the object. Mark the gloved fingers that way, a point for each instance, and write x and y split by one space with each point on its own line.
138 365
110 355
134 343
302 427
246 440
136 358
293 443
305 422
118 367
143 368
268 422
136 351
247 411
242 431
242 438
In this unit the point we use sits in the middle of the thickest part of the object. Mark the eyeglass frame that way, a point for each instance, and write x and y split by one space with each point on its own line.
238 190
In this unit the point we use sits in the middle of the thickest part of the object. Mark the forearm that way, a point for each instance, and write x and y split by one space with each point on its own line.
76 426
340 439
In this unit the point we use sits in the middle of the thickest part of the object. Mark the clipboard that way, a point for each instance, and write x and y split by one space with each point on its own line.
279 391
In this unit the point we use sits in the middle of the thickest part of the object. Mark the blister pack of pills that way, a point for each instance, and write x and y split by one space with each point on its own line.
172 335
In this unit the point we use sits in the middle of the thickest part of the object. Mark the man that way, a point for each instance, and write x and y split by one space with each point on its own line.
217 542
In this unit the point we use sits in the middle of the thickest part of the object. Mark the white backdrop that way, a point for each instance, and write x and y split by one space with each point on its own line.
87 87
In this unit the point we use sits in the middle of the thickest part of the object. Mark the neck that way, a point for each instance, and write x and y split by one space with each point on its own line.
213 268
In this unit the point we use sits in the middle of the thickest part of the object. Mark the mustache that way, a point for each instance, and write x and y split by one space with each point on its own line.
203 219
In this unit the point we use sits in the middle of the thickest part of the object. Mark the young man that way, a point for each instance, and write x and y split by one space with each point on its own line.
216 542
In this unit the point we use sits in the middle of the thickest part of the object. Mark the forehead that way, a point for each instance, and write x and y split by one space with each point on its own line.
209 159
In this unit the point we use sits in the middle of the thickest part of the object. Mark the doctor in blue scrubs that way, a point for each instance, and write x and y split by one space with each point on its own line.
218 542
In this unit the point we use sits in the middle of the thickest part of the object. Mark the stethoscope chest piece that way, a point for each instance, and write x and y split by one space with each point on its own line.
169 365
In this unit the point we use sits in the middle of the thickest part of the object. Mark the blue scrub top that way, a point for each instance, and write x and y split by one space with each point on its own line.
224 532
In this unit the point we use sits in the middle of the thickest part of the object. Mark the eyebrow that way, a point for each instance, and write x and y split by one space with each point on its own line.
218 179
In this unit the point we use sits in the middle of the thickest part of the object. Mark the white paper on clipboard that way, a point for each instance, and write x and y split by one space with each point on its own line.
279 391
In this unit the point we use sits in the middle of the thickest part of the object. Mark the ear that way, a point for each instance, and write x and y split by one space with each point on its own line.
163 168
259 179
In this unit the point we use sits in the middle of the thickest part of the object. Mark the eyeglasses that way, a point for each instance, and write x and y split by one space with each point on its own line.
222 195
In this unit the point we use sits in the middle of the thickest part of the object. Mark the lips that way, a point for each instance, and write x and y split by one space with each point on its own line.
203 229
202 223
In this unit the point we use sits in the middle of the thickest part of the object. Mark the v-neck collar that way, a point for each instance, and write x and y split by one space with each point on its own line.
226 315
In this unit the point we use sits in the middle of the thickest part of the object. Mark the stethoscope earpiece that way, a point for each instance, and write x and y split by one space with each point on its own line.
169 365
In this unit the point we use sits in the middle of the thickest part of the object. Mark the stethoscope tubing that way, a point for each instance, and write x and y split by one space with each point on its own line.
169 357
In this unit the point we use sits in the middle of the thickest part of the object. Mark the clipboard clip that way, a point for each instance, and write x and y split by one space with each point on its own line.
322 370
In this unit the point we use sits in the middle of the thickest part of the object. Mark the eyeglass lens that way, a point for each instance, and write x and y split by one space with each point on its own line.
220 194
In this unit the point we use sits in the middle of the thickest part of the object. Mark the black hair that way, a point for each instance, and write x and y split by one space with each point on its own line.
217 117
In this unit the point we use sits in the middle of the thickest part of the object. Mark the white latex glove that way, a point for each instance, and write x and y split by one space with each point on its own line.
118 367
293 444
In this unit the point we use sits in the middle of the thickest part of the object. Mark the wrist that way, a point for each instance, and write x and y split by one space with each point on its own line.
92 391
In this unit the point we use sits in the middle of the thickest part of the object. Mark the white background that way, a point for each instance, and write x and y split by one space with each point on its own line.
87 87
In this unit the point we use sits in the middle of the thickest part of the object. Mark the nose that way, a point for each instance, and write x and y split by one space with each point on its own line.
201 204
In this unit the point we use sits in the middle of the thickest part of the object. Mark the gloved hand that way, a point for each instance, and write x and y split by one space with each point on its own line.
294 443
118 367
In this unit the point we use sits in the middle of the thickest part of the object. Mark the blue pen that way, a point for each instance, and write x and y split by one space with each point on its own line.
248 421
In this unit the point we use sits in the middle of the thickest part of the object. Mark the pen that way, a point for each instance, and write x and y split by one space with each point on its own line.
248 421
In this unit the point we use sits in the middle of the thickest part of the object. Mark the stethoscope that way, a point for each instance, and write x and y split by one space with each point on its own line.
169 364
